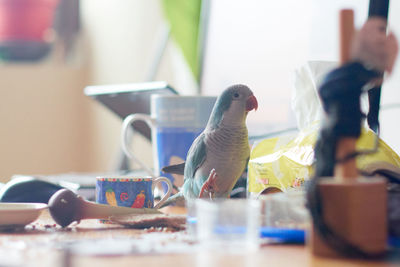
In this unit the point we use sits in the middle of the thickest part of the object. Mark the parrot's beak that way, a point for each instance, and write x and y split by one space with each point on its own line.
251 103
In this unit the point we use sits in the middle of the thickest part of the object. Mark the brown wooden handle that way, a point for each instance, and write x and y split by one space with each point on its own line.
346 145
346 27
348 169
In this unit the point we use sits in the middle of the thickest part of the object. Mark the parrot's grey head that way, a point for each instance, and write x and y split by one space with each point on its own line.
232 106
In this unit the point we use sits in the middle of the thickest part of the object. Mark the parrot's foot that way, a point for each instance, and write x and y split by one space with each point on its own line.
209 186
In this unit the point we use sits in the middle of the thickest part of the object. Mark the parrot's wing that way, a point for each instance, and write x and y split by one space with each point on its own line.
196 157
175 169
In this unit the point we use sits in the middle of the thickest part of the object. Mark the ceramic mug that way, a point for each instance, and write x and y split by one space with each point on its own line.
133 192
175 122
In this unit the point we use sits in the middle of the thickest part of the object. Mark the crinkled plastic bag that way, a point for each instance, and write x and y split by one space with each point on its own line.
305 101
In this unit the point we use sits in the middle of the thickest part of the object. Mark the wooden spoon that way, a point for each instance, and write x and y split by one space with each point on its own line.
67 207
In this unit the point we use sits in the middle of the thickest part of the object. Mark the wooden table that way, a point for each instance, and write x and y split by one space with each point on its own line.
44 244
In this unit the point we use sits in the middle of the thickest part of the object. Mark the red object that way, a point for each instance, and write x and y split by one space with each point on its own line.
26 19
139 201
251 103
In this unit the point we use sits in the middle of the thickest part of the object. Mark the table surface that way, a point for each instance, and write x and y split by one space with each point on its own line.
92 243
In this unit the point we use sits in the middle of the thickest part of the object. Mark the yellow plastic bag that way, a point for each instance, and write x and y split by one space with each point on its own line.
286 162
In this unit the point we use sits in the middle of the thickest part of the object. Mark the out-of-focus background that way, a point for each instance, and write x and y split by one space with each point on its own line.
47 124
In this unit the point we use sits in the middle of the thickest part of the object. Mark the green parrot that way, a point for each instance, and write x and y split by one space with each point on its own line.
219 155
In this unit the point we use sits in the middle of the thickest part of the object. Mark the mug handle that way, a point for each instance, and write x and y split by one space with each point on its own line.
125 137
166 195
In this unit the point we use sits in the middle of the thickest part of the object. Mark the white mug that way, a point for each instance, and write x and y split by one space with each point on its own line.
175 122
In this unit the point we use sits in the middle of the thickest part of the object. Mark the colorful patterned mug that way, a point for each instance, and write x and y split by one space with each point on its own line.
128 191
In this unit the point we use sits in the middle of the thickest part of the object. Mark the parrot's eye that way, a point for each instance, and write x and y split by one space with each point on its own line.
236 95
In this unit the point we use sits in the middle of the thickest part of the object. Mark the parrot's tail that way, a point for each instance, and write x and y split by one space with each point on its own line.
172 199
175 169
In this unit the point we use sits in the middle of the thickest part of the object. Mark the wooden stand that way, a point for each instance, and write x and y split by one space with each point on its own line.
353 207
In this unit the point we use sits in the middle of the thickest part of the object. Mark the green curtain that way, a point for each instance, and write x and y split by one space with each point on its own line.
184 19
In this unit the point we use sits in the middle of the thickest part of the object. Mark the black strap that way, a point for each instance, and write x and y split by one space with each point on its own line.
378 8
